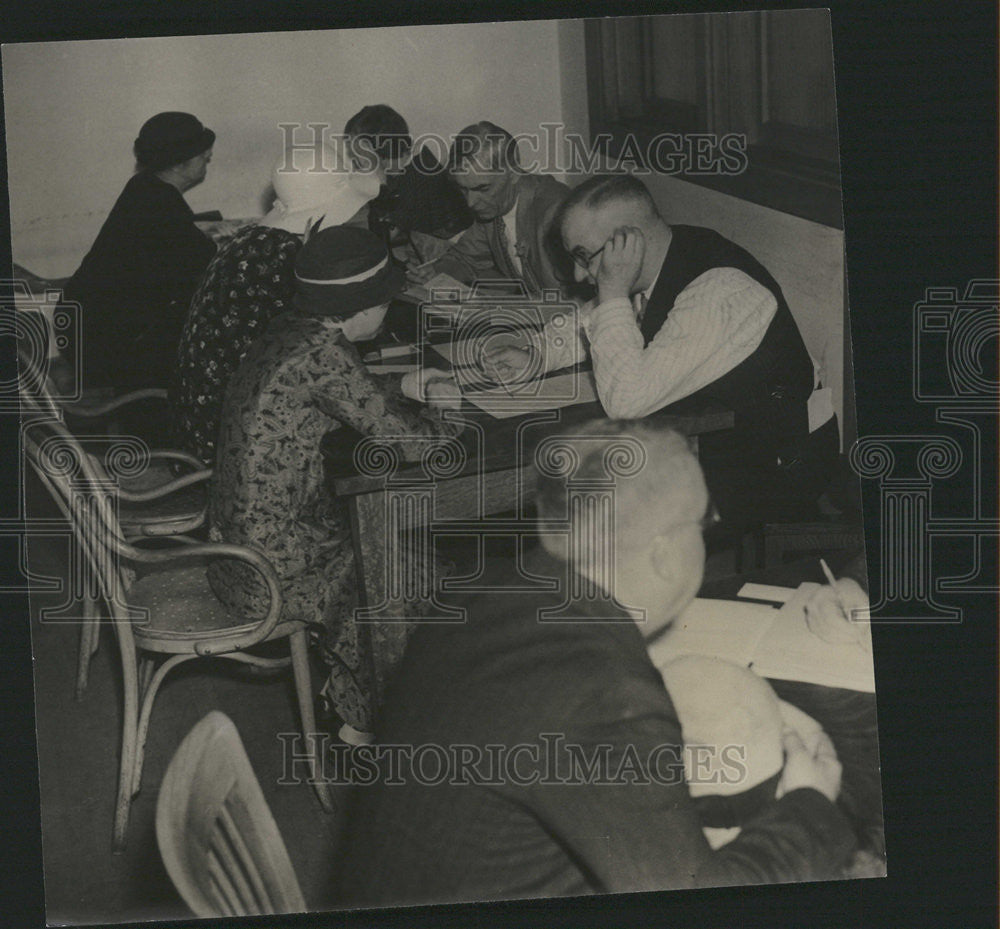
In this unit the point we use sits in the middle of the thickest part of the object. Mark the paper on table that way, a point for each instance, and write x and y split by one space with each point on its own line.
394 359
766 592
442 287
549 393
775 643
789 651
719 628
503 401
463 353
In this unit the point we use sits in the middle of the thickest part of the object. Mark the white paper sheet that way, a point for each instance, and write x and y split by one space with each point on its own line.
775 643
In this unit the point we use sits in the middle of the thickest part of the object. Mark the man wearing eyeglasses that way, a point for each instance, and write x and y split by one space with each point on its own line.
680 311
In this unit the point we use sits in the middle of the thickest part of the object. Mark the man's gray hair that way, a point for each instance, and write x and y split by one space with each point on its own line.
610 188
484 136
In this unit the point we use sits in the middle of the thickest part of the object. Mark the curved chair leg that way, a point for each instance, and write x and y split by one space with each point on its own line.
90 631
303 690
146 668
130 714
152 685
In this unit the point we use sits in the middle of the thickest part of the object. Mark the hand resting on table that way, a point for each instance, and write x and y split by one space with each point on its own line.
431 385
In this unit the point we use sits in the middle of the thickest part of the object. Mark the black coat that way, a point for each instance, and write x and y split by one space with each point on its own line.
135 284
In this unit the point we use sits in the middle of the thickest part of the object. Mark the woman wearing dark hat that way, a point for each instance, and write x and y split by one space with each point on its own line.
301 380
135 283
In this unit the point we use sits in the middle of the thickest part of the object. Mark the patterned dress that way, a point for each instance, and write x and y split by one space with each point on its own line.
248 283
300 381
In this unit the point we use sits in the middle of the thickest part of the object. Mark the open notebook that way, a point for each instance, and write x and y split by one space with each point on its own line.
776 643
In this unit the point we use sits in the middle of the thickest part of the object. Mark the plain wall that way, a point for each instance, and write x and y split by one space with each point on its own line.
73 109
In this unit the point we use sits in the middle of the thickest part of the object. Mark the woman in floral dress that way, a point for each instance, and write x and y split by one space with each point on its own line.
300 381
248 283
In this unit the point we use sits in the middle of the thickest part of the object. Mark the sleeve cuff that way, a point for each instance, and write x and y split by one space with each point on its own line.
822 817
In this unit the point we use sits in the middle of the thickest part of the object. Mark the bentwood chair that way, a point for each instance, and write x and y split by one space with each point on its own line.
217 837
159 602
152 500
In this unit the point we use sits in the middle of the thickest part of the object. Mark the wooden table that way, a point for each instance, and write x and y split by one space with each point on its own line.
462 483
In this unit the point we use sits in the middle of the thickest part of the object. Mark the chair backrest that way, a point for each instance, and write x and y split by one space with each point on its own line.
87 497
217 836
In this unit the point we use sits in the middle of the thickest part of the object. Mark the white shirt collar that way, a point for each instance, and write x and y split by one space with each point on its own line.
646 293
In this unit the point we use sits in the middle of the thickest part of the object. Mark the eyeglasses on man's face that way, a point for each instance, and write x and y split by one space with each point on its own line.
583 260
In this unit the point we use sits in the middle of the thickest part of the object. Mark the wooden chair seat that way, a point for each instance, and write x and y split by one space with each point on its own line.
183 610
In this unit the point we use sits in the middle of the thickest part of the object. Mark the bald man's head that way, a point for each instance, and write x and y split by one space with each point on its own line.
652 539
657 480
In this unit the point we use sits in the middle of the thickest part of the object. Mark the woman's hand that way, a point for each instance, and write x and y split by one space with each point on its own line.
414 383
431 385
420 273
444 394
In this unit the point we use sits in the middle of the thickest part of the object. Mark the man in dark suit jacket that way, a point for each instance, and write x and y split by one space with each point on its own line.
514 233
533 750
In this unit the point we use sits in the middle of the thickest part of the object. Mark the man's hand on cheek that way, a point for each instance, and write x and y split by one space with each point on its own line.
621 264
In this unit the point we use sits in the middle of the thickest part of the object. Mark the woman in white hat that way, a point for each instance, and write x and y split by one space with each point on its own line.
250 282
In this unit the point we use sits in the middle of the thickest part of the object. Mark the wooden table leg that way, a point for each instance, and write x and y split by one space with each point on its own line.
368 533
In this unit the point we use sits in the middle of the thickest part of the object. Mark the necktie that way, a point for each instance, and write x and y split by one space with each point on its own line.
508 252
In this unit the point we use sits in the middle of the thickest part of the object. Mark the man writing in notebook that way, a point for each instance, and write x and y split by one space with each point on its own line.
680 311
512 237
532 750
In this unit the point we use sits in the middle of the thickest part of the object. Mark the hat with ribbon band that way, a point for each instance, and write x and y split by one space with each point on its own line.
342 270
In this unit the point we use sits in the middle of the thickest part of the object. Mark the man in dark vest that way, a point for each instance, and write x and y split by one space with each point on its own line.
680 311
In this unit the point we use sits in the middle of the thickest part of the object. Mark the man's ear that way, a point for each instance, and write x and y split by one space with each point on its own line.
662 552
